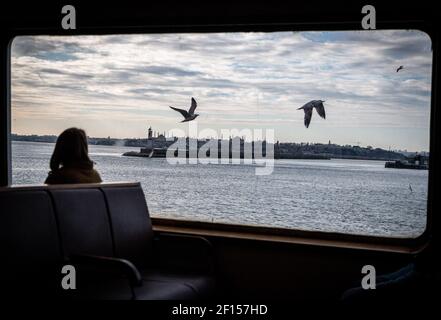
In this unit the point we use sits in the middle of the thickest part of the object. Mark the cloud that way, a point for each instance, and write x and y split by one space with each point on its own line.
31 46
167 71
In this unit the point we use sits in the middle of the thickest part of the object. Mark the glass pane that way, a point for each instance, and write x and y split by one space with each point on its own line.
359 166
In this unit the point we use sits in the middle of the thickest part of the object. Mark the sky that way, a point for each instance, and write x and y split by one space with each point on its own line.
119 85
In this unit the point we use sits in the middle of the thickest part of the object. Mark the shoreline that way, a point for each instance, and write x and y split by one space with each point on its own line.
146 155
278 157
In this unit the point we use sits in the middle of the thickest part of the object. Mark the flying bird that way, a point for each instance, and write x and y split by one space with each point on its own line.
400 68
188 115
307 108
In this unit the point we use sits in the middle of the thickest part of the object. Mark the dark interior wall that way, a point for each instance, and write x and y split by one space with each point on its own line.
109 15
4 112
249 269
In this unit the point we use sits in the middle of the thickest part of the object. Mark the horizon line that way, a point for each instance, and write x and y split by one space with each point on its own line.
200 139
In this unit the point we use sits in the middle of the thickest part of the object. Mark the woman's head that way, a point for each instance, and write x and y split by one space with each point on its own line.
71 150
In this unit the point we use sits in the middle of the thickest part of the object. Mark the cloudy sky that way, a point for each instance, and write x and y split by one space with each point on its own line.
118 85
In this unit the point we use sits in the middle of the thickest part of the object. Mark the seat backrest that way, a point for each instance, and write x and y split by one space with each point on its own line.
44 224
131 224
83 221
29 241
106 220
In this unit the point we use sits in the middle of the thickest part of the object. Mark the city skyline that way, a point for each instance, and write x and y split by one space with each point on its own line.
156 134
118 85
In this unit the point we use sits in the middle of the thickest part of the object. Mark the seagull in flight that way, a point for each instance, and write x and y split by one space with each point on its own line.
188 115
400 68
307 108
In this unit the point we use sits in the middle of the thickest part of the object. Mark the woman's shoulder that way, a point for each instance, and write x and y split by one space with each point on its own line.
96 175
53 177
83 175
73 175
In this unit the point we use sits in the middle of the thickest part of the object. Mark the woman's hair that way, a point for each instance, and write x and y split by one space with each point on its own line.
71 150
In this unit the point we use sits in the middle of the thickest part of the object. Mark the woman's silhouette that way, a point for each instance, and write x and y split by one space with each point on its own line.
70 162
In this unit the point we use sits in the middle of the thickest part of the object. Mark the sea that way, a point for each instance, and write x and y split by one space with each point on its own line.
345 196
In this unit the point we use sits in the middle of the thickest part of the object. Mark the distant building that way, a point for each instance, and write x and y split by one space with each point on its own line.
419 159
155 141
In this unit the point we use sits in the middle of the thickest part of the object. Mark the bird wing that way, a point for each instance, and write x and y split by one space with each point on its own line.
306 105
193 106
308 115
320 108
181 111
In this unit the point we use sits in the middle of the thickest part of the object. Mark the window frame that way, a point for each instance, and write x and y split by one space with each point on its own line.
240 231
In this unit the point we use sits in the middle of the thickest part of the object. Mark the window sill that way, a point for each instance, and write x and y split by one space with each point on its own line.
296 237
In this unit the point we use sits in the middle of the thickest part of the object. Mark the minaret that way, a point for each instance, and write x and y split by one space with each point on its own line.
150 133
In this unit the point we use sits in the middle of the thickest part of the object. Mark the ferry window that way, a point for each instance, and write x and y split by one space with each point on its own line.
323 131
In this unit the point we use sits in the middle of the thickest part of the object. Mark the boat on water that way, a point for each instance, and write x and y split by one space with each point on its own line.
418 162
148 153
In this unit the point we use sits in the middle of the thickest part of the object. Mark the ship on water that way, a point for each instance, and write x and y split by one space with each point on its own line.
418 161
156 146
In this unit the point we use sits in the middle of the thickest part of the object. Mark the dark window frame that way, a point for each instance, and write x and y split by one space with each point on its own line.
349 21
